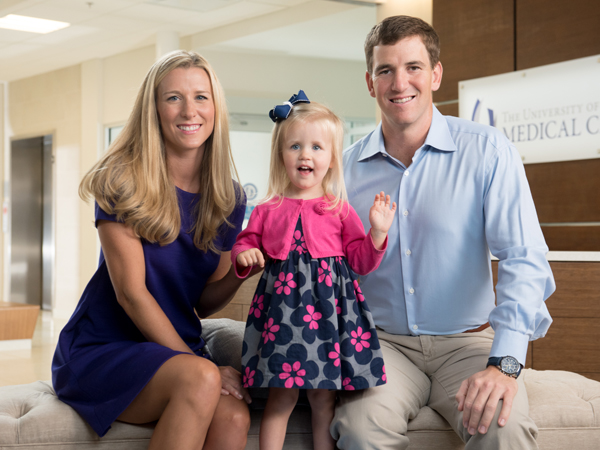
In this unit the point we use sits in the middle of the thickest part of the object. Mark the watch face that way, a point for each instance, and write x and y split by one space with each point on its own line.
510 365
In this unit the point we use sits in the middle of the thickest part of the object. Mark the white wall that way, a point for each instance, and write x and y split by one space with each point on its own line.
122 76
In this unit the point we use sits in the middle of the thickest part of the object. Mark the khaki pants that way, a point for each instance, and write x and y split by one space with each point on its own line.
426 370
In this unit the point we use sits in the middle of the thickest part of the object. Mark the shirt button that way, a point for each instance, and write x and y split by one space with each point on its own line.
408 252
405 212
406 173
384 155
415 327
411 291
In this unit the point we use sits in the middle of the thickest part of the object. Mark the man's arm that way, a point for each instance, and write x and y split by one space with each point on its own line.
514 236
525 281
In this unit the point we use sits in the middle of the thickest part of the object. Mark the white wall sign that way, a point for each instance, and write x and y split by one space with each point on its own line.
550 113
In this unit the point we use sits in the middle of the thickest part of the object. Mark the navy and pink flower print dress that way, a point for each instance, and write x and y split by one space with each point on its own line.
309 326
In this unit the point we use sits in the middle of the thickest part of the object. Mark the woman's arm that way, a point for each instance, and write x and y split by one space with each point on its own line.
218 292
221 287
125 261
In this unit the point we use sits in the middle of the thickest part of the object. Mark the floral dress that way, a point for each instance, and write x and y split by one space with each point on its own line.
309 326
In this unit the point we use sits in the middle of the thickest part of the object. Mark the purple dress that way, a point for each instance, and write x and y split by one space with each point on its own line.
102 361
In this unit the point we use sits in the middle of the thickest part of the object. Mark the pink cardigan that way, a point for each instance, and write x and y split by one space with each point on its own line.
326 233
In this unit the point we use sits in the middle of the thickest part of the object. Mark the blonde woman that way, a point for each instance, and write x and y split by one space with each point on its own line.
168 213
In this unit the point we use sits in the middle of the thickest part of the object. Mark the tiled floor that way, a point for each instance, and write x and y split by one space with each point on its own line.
27 366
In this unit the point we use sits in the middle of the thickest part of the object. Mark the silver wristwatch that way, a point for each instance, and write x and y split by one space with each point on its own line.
508 365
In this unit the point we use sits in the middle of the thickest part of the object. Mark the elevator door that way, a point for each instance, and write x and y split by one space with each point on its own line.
32 237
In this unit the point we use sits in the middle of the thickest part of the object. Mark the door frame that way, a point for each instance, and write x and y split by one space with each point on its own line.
48 222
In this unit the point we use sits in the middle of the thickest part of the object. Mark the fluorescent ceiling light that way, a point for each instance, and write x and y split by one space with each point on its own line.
31 24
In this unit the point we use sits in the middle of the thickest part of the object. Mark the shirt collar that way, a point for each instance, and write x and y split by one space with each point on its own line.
373 144
438 137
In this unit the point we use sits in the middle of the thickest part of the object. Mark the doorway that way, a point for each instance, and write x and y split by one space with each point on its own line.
31 223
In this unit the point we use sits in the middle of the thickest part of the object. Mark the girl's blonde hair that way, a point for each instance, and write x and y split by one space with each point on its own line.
132 180
333 182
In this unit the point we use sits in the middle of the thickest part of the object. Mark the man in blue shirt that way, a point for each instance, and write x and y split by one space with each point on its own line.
461 193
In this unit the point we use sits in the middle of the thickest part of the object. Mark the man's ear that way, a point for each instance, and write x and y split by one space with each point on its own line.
369 81
436 80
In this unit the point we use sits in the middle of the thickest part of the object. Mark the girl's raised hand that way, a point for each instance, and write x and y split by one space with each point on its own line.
251 257
381 216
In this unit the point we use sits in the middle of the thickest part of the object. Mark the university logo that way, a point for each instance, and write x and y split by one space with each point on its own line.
491 120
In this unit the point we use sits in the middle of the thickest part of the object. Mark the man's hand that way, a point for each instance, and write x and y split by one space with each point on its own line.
478 398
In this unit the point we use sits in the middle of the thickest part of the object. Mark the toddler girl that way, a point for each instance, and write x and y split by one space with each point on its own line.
309 326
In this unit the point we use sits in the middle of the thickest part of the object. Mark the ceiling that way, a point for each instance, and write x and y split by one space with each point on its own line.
333 29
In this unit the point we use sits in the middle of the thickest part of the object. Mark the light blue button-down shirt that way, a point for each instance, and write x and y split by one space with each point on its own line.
464 195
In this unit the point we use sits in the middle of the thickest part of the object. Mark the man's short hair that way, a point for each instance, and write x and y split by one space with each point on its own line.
395 28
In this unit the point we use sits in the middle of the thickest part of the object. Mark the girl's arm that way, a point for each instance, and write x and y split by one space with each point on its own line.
381 217
364 253
246 255
125 262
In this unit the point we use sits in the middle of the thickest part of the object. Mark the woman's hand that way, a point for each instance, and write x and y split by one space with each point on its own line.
231 384
251 257
381 217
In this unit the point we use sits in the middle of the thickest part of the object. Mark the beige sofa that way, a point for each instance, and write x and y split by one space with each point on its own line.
565 406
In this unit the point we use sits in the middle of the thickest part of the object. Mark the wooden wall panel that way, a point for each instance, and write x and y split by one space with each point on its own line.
577 292
238 308
571 344
566 191
574 239
593 376
481 38
551 31
449 110
231 311
477 40
572 340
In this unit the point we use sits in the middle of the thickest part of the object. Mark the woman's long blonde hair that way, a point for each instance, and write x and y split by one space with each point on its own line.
132 180
333 182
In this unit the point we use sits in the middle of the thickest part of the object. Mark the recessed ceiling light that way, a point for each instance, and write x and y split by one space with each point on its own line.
31 24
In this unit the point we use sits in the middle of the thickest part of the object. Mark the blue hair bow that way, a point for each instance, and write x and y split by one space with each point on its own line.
283 111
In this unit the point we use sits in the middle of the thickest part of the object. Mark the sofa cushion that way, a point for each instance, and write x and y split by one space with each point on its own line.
32 414
559 399
564 405
224 339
